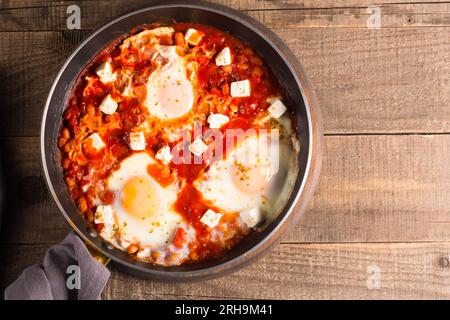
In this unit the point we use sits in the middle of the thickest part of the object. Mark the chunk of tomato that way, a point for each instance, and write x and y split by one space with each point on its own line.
180 238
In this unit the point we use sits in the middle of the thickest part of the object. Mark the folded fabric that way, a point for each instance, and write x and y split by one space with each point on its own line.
68 272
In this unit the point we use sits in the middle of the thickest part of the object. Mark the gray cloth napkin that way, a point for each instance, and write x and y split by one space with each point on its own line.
68 272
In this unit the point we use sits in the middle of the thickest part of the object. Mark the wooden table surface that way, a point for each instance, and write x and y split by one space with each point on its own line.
383 201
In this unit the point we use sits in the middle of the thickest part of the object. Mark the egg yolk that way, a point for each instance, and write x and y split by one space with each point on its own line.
139 197
169 93
253 166
251 179
172 97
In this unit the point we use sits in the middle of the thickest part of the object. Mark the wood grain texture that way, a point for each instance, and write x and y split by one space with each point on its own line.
291 271
380 188
27 70
237 4
372 189
315 271
367 81
42 15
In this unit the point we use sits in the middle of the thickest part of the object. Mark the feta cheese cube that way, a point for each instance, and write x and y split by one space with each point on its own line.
137 141
193 37
85 187
198 147
211 218
251 217
95 141
240 88
224 57
164 155
108 105
125 243
217 120
104 215
105 73
144 253
277 109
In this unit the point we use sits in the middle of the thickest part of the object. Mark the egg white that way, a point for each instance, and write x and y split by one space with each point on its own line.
170 93
219 186
155 231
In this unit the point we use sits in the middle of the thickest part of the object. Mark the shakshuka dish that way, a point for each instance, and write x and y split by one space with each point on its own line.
176 143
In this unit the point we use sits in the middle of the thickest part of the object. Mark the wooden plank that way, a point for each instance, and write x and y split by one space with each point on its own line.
372 188
380 188
383 81
367 81
392 16
53 16
29 214
293 271
29 62
237 4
